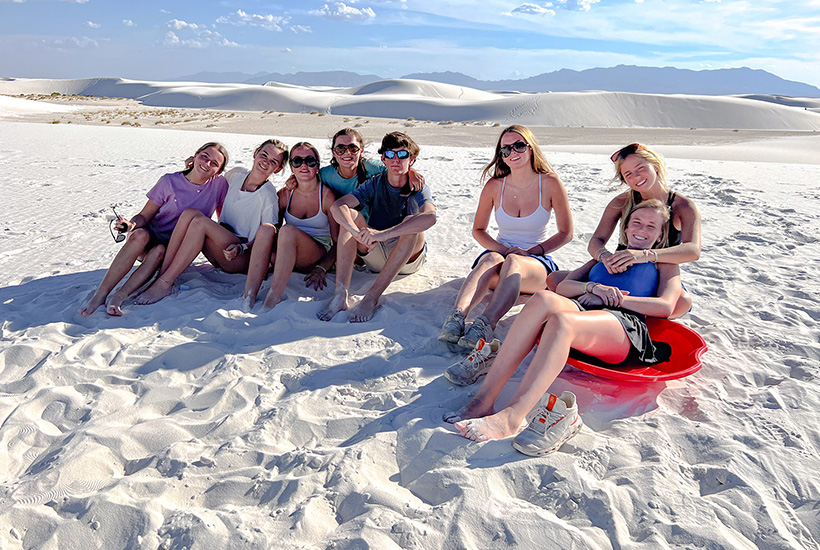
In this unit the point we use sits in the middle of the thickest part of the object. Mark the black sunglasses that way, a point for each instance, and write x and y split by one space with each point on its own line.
518 147
340 149
120 235
624 152
296 162
390 153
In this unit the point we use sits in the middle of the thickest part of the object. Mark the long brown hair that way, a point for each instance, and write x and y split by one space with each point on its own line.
361 169
497 168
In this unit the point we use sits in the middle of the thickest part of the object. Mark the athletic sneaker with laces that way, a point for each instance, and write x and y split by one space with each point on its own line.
453 327
475 365
555 422
479 329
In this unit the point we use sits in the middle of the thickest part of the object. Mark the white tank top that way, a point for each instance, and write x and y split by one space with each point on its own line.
526 231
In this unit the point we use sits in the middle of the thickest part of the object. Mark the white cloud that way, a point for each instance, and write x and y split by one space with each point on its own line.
534 9
92 25
576 5
82 42
128 23
194 36
300 28
342 12
269 22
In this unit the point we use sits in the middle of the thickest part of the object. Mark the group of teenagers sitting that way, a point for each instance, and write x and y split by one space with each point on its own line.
375 212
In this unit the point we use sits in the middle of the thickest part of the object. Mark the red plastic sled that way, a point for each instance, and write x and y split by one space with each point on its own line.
687 347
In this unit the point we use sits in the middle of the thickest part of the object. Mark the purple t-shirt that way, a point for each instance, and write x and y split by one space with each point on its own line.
174 194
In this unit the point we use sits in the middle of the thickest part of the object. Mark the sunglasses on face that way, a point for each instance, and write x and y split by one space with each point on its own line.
389 154
340 149
518 147
624 152
296 162
120 235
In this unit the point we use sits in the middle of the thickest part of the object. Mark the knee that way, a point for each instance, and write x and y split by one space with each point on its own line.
198 220
543 300
559 323
512 264
189 214
140 237
490 259
266 231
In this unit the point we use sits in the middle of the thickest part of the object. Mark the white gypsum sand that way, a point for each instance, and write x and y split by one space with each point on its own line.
189 423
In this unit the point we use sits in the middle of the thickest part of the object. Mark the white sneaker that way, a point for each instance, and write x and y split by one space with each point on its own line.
475 365
555 422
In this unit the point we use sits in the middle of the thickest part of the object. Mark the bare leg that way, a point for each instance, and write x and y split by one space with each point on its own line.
202 233
345 257
405 248
133 248
150 264
468 296
520 340
555 278
262 256
518 274
178 236
295 248
683 305
596 333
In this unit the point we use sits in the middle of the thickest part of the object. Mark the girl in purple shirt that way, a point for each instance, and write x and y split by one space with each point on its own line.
198 187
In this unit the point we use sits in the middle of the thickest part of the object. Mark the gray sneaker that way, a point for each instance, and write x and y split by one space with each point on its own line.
475 365
555 422
479 329
453 327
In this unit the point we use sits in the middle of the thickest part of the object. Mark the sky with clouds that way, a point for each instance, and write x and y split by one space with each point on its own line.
490 40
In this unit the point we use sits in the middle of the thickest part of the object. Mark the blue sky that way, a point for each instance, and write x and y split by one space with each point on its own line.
490 39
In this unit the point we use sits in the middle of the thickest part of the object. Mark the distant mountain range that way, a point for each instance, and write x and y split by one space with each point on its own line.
623 78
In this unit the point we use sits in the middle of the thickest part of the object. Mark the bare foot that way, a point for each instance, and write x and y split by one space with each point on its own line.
475 408
156 292
113 306
495 426
270 302
335 305
91 305
248 300
363 311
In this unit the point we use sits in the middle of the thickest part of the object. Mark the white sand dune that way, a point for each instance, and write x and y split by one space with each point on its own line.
190 424
424 100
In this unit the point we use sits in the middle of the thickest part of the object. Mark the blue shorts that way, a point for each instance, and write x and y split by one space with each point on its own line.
545 259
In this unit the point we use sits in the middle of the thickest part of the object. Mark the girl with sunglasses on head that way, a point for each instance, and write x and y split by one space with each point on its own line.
522 192
306 242
251 201
199 187
644 172
593 312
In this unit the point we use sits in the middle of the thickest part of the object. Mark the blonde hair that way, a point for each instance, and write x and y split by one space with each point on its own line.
653 158
497 168
663 212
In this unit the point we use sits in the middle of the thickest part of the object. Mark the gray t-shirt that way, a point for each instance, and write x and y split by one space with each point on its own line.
387 207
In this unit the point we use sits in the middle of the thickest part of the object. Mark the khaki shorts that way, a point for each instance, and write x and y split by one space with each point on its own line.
376 258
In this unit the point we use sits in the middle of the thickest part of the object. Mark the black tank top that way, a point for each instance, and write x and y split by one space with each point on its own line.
674 233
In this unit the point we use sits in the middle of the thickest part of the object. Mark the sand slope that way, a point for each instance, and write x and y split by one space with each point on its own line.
424 100
192 424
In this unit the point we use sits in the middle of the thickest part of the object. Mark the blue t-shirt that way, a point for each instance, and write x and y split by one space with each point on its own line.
342 186
386 205
639 279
